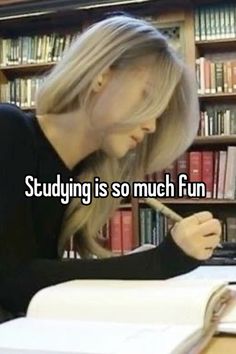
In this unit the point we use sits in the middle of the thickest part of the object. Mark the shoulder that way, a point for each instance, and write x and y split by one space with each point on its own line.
13 123
17 151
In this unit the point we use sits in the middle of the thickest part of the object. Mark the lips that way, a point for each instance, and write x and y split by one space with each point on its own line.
137 139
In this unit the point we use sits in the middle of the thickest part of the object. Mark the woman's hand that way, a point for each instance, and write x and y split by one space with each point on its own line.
197 235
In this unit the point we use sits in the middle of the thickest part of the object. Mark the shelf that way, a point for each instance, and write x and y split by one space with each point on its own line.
215 139
193 201
27 67
226 44
28 108
218 96
125 205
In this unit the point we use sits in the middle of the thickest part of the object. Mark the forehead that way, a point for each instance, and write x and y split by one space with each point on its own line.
141 76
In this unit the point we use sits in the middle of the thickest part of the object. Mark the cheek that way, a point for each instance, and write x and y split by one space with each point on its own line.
114 106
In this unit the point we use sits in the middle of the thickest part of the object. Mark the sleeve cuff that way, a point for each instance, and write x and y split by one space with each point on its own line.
178 261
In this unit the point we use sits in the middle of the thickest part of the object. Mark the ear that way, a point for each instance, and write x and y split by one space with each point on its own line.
101 80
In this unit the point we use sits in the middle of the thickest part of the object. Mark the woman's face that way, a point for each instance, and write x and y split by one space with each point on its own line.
116 98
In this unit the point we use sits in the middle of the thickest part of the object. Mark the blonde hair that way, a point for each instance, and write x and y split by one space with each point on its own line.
118 42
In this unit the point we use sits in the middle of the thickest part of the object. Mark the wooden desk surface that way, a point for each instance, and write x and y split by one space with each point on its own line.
221 345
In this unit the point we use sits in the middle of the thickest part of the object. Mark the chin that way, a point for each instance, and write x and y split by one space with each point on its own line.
117 153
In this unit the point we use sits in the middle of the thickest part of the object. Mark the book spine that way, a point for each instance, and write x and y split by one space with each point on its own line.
208 23
213 78
212 23
197 24
217 23
229 76
222 167
207 74
195 163
207 172
216 174
232 20
115 235
219 77
230 178
227 21
222 22
142 231
231 229
148 225
127 230
202 24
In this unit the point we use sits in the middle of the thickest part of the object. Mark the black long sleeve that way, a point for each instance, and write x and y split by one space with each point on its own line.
29 227
161 262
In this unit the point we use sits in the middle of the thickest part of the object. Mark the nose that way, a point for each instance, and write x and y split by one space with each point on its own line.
149 126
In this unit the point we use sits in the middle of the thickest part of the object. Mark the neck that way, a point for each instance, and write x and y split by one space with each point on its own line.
71 135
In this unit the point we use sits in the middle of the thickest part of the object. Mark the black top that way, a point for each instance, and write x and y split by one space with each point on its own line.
29 226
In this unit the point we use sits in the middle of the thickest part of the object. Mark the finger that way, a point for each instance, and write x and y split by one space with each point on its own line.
206 254
209 227
211 241
199 218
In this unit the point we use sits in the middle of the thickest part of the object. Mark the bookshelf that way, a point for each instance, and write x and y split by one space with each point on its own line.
221 49
218 96
176 19
194 201
219 140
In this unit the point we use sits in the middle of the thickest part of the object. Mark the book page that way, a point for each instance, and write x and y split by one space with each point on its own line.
152 302
55 336
228 321
224 273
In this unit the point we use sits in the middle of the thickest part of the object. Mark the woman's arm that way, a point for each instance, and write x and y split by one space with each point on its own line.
22 274
161 262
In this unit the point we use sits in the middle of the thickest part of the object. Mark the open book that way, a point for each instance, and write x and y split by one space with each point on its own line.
119 317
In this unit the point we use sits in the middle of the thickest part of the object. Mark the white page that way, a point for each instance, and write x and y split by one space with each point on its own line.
225 273
165 302
54 336
227 328
230 313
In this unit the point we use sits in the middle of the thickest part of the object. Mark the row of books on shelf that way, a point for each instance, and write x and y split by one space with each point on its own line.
217 169
215 120
35 49
215 76
117 235
21 92
216 21
154 227
118 232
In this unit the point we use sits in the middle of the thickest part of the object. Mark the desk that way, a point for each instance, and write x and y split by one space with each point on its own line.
221 345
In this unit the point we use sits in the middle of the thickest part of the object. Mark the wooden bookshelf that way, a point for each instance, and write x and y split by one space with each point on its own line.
28 108
217 44
194 201
217 96
215 139
166 15
27 67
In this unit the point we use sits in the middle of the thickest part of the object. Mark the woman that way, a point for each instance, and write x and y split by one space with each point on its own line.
120 104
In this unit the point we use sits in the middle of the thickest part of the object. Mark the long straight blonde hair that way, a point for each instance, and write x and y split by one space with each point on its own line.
119 42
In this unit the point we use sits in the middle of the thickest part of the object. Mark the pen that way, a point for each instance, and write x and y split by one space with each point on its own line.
156 204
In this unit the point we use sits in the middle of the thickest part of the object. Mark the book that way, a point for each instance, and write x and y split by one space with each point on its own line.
44 336
119 316
222 273
215 21
227 323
